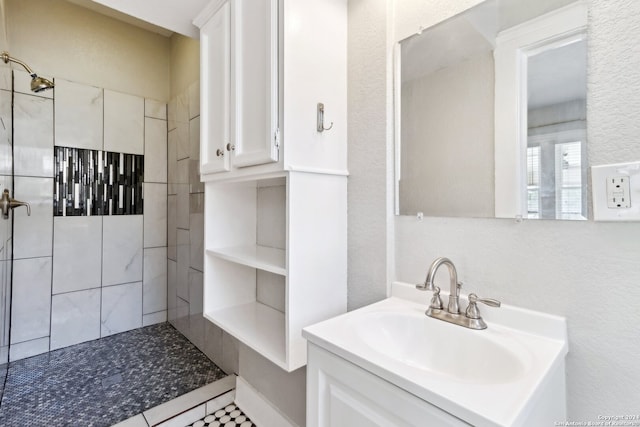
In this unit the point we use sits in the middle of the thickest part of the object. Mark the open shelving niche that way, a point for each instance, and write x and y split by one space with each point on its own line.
252 291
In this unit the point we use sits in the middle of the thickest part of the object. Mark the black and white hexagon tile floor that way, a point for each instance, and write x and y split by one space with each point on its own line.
229 416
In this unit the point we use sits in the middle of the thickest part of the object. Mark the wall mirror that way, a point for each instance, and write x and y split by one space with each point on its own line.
491 113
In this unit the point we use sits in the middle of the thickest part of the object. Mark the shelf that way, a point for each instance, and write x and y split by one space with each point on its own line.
256 325
261 257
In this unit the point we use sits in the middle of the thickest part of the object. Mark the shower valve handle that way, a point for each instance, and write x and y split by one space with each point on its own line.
6 203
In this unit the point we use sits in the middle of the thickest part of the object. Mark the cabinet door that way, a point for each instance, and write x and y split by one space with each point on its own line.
215 69
341 394
255 81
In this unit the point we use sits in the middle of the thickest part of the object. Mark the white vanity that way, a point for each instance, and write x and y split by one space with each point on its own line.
388 364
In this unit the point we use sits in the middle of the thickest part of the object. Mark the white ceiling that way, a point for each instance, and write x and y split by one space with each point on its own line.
161 16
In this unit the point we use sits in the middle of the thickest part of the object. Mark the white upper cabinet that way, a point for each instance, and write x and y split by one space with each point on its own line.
265 67
276 187
255 81
214 124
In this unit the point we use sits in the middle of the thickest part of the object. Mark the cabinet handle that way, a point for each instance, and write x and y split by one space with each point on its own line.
219 152
230 147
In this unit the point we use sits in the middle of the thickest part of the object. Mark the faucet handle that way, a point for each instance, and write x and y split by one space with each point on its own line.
436 302
472 309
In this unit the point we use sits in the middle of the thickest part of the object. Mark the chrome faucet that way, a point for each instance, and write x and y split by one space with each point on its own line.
471 318
6 203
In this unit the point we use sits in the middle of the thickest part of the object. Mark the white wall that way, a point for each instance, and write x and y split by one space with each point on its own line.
586 271
367 151
60 39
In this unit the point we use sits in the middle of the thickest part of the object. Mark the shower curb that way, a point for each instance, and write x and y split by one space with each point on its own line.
187 408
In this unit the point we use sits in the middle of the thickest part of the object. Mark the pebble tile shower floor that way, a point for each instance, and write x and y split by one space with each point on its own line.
103 382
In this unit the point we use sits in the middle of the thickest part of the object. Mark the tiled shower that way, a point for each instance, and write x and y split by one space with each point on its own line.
78 276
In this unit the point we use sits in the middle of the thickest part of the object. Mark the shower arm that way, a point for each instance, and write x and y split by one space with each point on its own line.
6 58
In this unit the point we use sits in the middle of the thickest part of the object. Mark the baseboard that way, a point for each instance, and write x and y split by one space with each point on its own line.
255 406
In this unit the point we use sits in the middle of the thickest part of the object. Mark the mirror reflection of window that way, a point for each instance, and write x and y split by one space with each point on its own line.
533 182
556 147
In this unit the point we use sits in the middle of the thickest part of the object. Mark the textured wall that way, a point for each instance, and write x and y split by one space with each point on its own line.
585 271
367 151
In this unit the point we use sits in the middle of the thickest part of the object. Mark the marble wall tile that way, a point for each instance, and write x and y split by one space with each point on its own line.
182 207
172 227
230 349
213 342
195 184
123 123
155 109
26 349
182 141
5 132
78 115
182 173
182 289
122 249
77 253
22 84
172 295
155 215
33 135
196 292
196 231
154 282
193 92
196 321
155 150
181 322
75 317
182 125
182 191
121 308
31 299
172 114
153 318
172 161
33 234
194 138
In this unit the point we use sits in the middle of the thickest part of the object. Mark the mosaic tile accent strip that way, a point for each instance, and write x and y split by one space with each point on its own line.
93 182
229 416
103 382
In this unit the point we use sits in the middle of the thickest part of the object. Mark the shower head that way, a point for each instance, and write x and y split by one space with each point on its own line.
38 84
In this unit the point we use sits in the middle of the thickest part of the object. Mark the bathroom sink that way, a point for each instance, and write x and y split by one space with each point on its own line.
491 377
443 349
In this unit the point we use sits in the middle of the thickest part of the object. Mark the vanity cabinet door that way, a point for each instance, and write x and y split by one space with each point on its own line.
255 81
341 394
215 39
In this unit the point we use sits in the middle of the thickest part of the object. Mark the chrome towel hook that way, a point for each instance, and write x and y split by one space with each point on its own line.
321 127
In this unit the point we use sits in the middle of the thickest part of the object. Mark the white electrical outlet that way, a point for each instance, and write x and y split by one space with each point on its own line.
616 192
